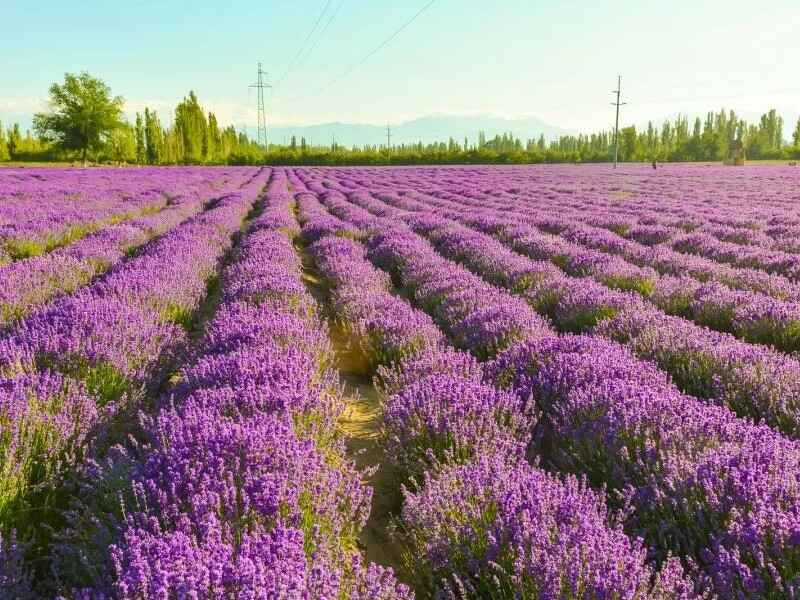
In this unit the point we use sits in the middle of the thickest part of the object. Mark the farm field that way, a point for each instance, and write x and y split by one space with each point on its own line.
431 382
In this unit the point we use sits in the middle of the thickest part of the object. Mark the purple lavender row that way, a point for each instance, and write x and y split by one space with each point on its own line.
442 425
477 316
697 481
34 281
752 380
751 316
43 210
617 419
242 502
383 327
474 512
110 340
663 259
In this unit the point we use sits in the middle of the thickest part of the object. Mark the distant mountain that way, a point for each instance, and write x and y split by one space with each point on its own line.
427 129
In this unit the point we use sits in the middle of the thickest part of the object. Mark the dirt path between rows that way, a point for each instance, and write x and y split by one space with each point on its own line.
360 425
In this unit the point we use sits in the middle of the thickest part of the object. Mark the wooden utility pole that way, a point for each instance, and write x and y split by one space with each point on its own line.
616 123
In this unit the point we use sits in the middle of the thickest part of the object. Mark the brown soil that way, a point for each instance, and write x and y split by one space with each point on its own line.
361 427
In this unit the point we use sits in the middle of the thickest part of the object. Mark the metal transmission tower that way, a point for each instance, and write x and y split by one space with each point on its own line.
261 85
616 123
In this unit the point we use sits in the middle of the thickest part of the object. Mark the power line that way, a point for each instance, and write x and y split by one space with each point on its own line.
304 44
321 33
369 55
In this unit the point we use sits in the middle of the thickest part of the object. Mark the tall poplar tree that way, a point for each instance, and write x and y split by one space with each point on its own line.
14 140
796 134
191 127
141 142
4 155
154 138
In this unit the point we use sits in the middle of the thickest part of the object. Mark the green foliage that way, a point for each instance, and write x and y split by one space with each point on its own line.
83 114
19 248
14 140
4 154
197 138
141 146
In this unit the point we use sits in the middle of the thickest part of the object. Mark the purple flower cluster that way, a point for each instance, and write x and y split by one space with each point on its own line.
70 368
442 424
752 380
474 512
246 493
36 280
41 210
491 529
478 317
384 327
679 464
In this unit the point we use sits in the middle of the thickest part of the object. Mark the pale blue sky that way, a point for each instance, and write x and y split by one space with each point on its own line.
556 60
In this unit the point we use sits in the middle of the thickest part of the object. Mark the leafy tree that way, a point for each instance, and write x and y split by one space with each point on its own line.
83 114
214 138
14 140
628 143
4 155
141 143
154 137
796 134
121 144
191 128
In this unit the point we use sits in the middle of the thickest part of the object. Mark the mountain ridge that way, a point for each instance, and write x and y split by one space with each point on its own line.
426 129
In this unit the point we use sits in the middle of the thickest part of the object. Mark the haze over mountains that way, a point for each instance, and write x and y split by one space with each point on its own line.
432 128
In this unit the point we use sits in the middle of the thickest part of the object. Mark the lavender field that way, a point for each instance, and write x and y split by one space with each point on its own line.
544 382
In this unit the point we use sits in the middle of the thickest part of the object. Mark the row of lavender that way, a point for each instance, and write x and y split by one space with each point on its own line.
242 491
41 210
474 509
74 375
31 282
743 207
698 481
751 379
752 304
573 208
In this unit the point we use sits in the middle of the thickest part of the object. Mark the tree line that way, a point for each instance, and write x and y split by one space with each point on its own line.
86 121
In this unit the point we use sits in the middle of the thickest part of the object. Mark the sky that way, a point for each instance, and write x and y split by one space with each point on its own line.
556 60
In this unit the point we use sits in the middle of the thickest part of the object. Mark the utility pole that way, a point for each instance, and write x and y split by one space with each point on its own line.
616 123
260 85
389 138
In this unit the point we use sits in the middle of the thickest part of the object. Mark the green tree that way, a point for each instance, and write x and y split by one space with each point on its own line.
628 143
141 142
121 144
191 128
4 155
83 114
154 137
14 140
214 138
796 134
